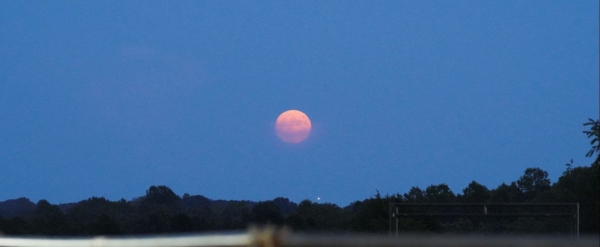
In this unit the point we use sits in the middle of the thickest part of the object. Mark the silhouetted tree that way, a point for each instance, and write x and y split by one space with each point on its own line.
285 206
312 216
199 209
48 219
372 215
476 193
439 194
234 216
593 133
161 195
581 184
89 210
20 207
415 195
535 181
266 213
507 193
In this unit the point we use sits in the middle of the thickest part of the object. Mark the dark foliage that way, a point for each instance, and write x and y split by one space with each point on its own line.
160 210
20 207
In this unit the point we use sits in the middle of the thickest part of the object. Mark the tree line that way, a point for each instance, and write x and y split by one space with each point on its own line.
160 210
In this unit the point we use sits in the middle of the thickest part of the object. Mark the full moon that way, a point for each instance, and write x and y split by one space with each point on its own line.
293 126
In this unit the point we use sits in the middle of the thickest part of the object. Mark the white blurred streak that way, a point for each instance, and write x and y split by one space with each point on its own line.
181 241
270 237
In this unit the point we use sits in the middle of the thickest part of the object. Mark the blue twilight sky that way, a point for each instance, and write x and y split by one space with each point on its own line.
108 98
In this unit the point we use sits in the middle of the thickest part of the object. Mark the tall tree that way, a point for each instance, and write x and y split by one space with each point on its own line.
593 133
534 182
475 193
507 193
285 205
161 195
580 185
440 193
48 219
414 195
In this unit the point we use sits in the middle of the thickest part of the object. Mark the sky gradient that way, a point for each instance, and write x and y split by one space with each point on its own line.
107 99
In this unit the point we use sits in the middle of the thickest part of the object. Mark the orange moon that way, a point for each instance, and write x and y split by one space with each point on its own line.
293 126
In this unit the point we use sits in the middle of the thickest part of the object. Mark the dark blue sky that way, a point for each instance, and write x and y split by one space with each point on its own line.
106 99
